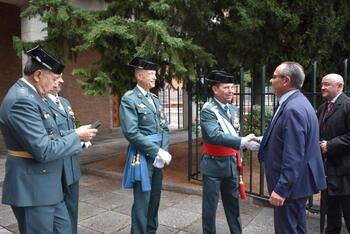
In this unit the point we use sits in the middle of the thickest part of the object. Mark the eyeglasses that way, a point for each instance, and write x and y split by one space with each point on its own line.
277 76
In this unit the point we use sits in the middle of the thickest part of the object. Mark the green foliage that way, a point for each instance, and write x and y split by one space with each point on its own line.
252 120
191 37
124 30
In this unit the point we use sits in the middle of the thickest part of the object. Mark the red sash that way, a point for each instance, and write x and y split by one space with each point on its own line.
222 151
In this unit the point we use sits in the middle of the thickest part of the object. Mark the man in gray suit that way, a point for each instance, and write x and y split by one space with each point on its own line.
33 176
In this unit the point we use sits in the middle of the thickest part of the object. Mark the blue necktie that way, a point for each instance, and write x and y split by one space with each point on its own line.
227 110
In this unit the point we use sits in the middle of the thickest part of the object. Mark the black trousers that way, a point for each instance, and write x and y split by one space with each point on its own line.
337 206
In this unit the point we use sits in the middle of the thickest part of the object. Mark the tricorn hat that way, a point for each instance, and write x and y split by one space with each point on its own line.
216 76
45 59
143 64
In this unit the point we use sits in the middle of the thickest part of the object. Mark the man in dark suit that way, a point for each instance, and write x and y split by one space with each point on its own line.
145 127
290 151
334 120
221 153
33 170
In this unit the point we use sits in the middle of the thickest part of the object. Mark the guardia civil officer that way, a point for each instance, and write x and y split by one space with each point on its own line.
65 120
145 127
221 160
35 147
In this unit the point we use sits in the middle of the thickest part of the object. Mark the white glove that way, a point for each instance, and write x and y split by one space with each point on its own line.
252 145
244 141
158 162
86 144
164 155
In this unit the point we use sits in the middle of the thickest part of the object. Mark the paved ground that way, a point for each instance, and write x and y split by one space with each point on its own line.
105 208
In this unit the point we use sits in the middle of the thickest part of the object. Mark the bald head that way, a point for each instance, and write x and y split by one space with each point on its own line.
332 85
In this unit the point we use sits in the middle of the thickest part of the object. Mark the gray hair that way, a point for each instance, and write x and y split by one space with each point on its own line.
295 71
31 66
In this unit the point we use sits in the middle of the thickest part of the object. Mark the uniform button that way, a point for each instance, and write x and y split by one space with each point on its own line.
44 170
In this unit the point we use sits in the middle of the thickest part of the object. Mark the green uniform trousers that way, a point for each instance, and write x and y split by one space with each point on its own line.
228 186
144 213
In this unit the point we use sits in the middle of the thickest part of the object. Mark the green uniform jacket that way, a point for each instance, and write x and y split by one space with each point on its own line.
65 123
27 124
212 133
138 118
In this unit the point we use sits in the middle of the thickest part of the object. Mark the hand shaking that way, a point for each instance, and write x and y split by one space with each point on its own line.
251 142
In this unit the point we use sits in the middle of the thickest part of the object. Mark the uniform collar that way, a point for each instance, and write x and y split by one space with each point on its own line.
221 104
29 84
52 97
144 92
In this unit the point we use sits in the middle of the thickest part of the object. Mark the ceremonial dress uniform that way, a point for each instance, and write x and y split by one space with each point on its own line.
36 148
145 127
221 163
65 120
219 171
35 158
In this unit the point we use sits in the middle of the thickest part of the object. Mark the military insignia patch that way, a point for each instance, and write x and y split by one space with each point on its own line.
236 122
46 115
50 134
22 91
161 116
141 105
70 111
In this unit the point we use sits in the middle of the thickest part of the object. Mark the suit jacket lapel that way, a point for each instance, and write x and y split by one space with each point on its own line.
279 113
156 104
144 99
336 105
65 108
55 107
221 111
322 110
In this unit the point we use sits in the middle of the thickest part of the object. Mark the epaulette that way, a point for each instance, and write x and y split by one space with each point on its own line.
153 95
22 91
129 92
208 105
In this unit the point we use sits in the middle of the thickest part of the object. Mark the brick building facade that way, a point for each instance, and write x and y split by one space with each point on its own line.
86 108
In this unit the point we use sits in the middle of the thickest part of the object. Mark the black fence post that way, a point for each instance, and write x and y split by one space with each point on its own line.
262 119
190 95
241 98
345 75
314 83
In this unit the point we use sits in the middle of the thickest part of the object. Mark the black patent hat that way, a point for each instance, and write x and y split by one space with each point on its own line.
215 77
141 63
45 59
